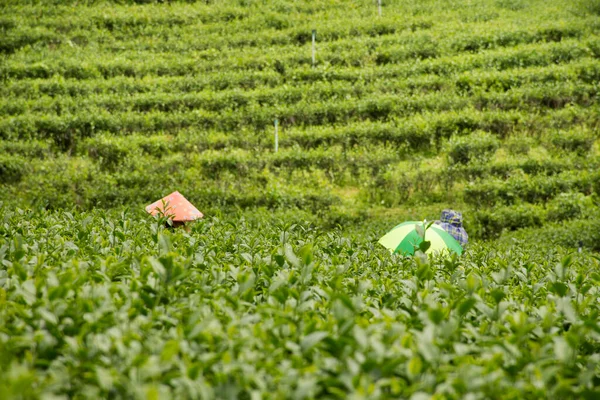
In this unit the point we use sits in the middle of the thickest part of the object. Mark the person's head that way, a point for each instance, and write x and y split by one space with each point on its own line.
452 217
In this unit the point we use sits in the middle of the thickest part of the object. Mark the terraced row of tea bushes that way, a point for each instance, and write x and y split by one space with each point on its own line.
29 149
471 153
243 12
54 186
234 100
57 184
124 168
305 112
421 185
584 233
110 304
575 141
141 64
420 131
114 154
361 52
584 70
560 88
195 34
194 25
465 157
216 179
530 189
491 223
68 129
199 37
252 26
503 169
395 186
501 81
79 182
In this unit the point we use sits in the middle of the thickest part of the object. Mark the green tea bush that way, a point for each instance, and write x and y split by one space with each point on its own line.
156 146
489 224
531 189
504 168
583 233
596 183
513 5
12 41
576 141
519 145
27 150
591 6
130 309
568 206
111 153
12 168
546 167
476 146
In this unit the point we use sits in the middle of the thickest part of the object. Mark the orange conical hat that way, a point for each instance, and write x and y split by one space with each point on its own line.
177 207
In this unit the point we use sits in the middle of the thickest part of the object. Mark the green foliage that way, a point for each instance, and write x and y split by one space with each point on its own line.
591 6
109 153
427 106
532 189
27 150
12 169
490 107
579 142
116 305
490 224
476 146
519 144
583 233
567 206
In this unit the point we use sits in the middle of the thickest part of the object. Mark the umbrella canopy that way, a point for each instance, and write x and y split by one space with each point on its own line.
176 207
404 238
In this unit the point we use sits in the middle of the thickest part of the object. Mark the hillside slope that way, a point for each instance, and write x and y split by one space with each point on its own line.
489 107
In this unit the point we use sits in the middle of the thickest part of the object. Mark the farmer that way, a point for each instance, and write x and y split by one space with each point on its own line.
451 222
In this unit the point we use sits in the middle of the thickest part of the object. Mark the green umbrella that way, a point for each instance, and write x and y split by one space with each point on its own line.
404 238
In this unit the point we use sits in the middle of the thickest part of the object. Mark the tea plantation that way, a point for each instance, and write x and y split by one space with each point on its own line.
282 291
